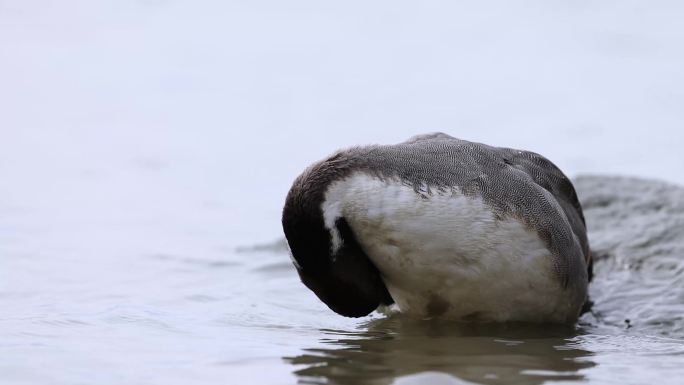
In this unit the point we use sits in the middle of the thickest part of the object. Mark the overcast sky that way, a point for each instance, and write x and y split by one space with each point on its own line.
170 106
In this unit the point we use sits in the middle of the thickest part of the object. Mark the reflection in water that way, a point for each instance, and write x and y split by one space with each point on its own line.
482 353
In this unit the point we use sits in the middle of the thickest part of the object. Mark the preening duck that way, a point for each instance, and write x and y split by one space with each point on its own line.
442 227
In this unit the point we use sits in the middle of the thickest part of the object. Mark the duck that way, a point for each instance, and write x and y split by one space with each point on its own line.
439 227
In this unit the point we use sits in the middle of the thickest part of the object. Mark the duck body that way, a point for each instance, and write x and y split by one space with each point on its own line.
443 228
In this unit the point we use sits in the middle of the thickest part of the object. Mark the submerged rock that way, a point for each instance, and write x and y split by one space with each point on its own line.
636 232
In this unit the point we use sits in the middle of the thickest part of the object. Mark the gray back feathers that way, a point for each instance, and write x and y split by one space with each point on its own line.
519 184
515 184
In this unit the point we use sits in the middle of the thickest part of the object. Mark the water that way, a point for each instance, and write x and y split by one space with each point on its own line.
146 148
118 302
